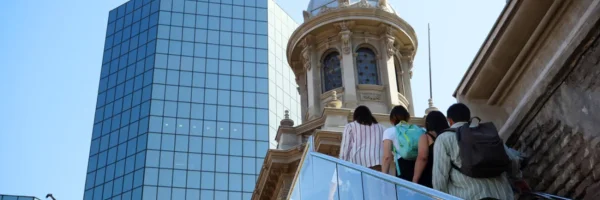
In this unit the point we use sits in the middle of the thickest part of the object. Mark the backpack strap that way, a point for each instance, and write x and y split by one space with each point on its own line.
394 150
455 167
431 135
454 130
450 130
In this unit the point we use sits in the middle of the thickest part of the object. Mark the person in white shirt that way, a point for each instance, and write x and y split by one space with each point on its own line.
397 115
361 140
361 145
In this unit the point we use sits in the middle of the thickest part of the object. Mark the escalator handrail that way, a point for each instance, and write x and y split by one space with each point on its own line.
397 181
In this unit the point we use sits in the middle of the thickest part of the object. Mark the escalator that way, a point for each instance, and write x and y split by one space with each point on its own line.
320 176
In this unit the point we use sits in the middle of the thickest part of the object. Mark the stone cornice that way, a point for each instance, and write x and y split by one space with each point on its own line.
344 25
370 87
507 51
350 14
327 142
488 45
552 16
276 162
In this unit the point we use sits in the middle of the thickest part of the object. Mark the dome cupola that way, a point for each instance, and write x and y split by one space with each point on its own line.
317 7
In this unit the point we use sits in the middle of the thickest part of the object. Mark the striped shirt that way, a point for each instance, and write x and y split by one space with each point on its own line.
453 182
361 144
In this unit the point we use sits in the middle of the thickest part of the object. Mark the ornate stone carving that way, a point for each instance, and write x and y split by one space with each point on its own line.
307 41
344 25
389 44
325 9
387 34
345 35
306 58
386 30
343 3
369 96
362 4
382 4
306 15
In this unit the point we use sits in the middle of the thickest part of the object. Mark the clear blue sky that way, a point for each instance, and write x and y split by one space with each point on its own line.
50 54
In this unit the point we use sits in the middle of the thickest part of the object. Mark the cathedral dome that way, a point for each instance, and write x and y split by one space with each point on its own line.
315 7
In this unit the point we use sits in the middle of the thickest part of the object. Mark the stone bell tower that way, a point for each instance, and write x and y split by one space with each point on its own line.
346 53
361 51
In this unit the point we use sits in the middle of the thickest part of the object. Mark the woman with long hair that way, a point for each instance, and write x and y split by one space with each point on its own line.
400 144
436 124
361 140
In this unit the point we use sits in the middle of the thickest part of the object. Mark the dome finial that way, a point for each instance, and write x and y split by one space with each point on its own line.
286 121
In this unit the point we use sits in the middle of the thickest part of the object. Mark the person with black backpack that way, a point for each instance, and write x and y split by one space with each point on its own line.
470 159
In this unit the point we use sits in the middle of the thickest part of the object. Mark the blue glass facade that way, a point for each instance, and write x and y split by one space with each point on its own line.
190 96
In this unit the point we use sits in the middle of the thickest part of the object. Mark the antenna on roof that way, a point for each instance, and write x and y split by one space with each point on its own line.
431 107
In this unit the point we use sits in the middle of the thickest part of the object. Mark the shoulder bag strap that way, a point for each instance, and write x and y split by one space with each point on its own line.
395 151
431 135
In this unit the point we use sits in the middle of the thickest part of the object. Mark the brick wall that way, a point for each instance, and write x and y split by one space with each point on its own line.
562 135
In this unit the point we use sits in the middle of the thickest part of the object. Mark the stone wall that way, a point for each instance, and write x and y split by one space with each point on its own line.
562 132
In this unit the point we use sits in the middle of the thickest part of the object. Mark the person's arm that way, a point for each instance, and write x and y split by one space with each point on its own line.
441 165
388 156
345 146
421 158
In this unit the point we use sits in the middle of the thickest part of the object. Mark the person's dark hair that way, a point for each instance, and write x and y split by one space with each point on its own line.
398 114
363 116
436 121
459 113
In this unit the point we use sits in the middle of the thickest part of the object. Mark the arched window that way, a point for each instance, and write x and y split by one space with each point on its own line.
332 72
366 67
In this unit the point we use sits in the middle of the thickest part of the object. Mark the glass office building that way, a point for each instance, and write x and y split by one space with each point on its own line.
190 96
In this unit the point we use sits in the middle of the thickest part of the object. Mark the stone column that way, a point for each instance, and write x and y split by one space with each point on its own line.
406 63
388 70
303 91
312 77
347 65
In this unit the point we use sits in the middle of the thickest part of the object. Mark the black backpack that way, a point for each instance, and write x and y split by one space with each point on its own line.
481 151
